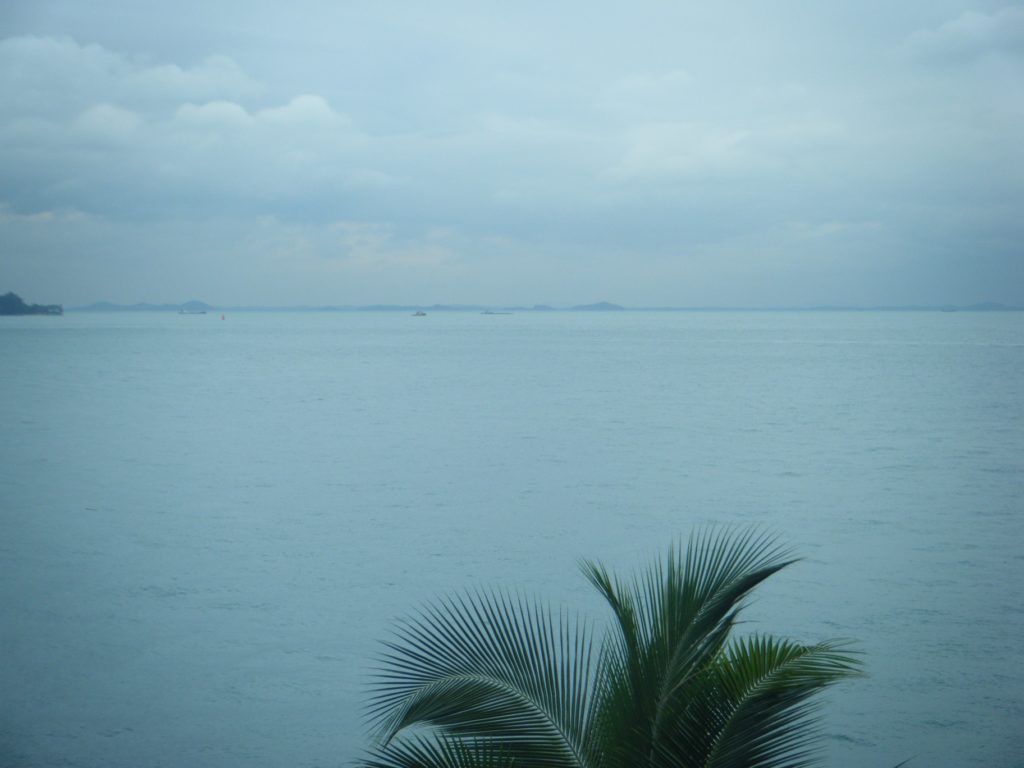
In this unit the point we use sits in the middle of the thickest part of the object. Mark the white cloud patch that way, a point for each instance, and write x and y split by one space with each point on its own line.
49 77
89 128
652 94
305 110
695 151
36 218
375 247
213 115
107 122
971 35
662 150
213 78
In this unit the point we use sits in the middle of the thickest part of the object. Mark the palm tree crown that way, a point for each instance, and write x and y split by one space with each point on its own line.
489 680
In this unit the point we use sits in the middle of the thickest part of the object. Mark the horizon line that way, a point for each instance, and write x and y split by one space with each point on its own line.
601 306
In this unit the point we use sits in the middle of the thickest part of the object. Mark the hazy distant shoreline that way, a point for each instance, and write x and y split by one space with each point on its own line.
198 306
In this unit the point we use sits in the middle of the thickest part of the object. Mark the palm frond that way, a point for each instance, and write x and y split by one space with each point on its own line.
759 701
671 623
489 680
490 667
438 752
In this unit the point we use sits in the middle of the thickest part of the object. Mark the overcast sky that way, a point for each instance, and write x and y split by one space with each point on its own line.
649 153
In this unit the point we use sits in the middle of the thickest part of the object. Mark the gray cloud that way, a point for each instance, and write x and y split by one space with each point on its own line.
970 35
685 155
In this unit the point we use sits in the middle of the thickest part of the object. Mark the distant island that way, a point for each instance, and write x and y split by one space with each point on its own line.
12 304
194 307
601 306
191 307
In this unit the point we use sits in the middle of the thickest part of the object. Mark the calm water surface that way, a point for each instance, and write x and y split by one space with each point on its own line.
208 525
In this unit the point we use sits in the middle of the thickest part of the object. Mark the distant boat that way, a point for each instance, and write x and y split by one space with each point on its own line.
491 312
419 313
184 311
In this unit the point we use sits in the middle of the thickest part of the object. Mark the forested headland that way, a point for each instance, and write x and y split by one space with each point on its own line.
12 304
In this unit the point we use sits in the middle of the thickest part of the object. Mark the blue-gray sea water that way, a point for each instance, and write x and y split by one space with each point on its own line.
209 525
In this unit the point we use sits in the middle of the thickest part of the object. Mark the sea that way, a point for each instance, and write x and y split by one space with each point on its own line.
210 525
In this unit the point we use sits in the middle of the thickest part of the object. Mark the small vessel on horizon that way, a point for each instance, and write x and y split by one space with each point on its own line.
419 313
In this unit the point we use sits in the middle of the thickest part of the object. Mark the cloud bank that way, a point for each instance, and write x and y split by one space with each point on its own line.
517 157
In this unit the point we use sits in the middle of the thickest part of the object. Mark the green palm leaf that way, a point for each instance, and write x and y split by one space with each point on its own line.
672 622
439 752
487 680
488 666
766 686
752 707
